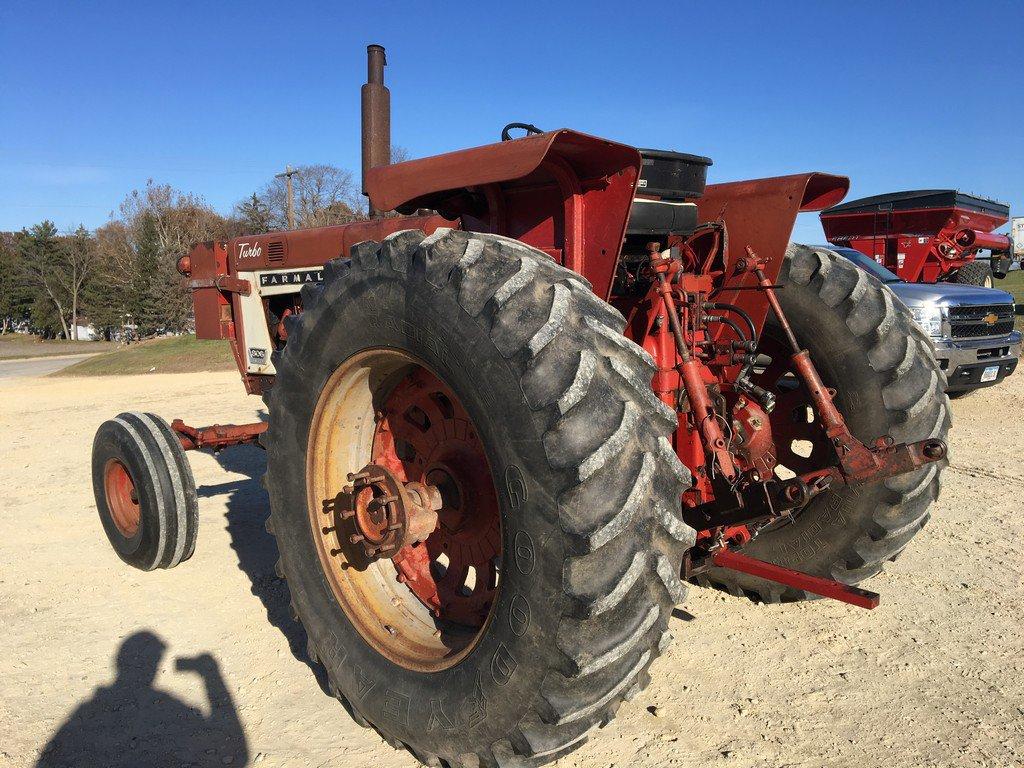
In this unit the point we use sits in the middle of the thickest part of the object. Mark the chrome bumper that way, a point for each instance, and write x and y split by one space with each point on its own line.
964 360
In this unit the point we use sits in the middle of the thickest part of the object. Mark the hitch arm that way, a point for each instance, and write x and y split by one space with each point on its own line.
857 462
862 598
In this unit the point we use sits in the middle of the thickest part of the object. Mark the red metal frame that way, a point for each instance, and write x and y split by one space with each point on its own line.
217 437
862 598
569 195
563 192
921 245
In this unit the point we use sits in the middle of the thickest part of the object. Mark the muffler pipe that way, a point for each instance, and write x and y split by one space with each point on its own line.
376 117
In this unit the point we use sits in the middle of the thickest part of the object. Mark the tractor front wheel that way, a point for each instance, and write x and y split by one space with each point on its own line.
475 503
144 490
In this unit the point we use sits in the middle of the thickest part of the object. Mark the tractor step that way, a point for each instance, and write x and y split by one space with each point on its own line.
862 598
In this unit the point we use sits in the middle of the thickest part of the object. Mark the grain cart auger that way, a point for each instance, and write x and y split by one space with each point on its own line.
926 236
509 423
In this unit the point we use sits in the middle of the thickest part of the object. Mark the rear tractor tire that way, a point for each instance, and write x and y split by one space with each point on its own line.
974 273
473 370
866 345
144 490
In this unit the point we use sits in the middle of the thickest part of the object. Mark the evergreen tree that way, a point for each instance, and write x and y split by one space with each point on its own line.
16 296
41 267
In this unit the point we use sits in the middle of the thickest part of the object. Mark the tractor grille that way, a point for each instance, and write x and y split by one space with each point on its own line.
275 250
974 321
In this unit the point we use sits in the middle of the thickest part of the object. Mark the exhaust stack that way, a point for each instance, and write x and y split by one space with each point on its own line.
376 116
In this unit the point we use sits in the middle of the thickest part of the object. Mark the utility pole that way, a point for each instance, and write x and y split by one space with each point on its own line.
287 176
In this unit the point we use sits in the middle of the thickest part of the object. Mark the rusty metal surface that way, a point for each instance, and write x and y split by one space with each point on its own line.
122 498
386 513
431 181
375 112
222 283
314 247
218 436
563 192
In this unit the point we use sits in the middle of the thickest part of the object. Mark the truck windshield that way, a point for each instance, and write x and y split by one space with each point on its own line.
867 264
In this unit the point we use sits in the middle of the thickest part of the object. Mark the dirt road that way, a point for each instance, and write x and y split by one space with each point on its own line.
91 650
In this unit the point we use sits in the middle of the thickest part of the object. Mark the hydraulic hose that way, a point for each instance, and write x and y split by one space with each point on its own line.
737 311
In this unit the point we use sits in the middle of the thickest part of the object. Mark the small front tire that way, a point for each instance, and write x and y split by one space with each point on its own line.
145 494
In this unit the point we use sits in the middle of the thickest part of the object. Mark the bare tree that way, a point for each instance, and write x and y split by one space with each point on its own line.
77 257
181 219
399 154
252 216
324 195
140 248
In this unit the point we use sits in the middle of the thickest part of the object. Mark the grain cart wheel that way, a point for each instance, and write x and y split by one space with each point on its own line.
866 345
473 496
144 491
974 273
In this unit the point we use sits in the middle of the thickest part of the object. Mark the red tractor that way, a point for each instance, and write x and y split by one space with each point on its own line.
926 236
509 423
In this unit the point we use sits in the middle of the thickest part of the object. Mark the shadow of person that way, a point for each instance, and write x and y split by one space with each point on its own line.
248 508
130 723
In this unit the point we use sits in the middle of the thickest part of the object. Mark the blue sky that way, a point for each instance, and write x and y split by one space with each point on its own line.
214 98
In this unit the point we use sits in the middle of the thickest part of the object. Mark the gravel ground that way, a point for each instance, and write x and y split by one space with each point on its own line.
201 665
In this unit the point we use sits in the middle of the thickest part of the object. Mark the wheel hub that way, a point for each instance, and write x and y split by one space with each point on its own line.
404 512
425 435
386 513
122 498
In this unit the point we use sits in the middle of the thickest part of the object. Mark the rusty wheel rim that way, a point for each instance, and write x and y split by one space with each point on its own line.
384 420
122 498
802 445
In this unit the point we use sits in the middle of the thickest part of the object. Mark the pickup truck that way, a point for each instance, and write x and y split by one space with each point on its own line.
971 326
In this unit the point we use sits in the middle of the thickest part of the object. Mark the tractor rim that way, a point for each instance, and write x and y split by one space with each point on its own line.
403 510
122 498
801 444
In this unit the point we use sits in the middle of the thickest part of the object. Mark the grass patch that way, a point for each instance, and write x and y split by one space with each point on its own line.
176 354
1013 283
19 346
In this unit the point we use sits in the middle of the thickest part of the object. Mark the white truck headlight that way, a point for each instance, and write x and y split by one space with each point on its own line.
929 317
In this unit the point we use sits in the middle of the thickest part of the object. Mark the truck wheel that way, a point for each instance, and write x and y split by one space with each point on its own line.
472 372
144 491
974 273
866 345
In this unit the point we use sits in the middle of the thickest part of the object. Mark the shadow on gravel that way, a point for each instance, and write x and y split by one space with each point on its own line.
130 723
247 510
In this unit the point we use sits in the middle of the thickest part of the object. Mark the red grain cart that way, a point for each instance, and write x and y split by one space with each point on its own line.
509 423
926 236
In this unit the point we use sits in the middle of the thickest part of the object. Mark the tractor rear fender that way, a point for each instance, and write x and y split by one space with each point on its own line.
565 193
760 214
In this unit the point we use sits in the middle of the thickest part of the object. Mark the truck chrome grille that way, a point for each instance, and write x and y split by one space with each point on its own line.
972 321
